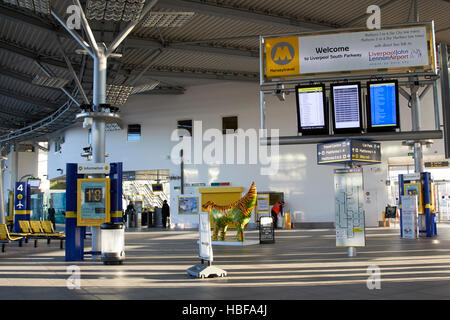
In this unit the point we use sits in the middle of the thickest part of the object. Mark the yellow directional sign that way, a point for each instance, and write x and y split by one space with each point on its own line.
282 57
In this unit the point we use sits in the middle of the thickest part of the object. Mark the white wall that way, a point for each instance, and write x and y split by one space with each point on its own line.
308 188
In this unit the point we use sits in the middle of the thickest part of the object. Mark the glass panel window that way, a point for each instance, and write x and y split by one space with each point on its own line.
229 125
134 132
186 125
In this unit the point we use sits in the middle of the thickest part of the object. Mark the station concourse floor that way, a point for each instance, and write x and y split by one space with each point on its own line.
302 264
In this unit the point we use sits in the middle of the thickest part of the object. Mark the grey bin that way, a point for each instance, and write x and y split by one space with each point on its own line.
113 243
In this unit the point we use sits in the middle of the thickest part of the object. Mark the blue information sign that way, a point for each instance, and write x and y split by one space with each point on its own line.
383 111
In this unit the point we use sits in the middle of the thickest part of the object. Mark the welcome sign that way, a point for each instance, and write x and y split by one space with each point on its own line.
394 48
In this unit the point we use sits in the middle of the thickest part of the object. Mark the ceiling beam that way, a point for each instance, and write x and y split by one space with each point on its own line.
25 116
38 102
202 74
23 77
28 53
131 42
134 42
164 72
240 13
164 90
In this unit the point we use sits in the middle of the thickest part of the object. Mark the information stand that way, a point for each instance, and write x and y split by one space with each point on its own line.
350 226
266 230
203 270
410 227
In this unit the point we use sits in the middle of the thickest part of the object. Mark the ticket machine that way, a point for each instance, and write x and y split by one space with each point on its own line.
90 202
422 186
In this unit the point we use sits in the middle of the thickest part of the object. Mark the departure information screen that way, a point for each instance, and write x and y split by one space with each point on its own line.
346 107
383 105
93 195
311 109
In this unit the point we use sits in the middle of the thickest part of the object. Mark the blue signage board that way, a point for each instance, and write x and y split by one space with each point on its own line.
20 199
383 111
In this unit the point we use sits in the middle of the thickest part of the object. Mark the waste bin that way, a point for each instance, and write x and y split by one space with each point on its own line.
113 243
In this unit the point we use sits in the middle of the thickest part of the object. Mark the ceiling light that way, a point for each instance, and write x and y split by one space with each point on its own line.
117 95
117 10
145 87
53 82
39 6
167 19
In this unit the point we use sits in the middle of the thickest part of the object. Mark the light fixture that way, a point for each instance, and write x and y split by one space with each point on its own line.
39 6
117 94
53 82
117 10
145 87
167 19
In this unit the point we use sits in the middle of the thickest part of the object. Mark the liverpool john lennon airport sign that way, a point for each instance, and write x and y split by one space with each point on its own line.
393 49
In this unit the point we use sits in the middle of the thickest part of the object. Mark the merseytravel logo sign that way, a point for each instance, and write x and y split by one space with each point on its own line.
282 57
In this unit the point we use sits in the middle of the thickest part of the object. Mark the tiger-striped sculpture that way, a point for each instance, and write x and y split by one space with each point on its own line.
237 213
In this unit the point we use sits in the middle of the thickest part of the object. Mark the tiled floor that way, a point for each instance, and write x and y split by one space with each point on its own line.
302 264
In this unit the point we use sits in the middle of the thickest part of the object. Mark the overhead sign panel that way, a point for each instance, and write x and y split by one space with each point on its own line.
364 151
282 57
378 49
396 49
334 152
355 151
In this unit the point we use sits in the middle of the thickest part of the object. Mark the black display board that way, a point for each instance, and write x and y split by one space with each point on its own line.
355 151
347 107
312 111
382 106
266 231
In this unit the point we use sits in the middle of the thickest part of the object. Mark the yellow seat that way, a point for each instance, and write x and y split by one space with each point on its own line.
25 226
47 227
5 237
36 228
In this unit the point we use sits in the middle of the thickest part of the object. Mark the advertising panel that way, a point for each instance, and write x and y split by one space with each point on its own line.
399 48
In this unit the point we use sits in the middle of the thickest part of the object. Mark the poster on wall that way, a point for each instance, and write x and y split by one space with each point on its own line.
349 201
262 205
187 205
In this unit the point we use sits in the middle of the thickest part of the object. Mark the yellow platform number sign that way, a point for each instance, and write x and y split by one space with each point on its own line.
282 57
